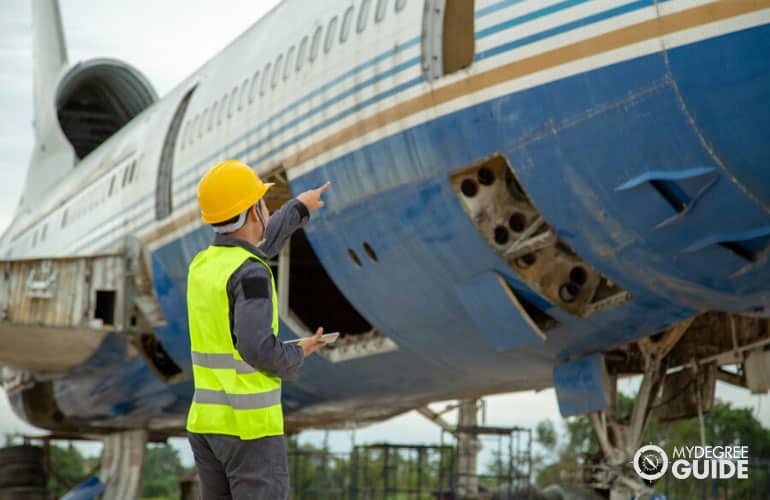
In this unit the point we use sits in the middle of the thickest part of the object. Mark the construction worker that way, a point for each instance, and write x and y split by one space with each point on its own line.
235 423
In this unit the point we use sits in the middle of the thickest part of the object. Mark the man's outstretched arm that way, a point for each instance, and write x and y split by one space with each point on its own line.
291 216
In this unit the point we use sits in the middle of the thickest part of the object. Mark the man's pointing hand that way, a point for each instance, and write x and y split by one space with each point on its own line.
312 198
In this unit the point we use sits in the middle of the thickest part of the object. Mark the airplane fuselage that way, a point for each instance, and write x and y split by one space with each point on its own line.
627 142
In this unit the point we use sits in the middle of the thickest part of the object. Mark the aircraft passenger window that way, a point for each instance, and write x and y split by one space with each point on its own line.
289 62
204 115
112 187
347 23
316 45
277 71
254 87
125 176
64 217
222 107
242 100
400 4
265 79
301 53
231 106
43 231
379 14
363 14
212 116
131 172
331 32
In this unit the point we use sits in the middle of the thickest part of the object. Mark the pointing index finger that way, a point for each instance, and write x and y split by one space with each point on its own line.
324 187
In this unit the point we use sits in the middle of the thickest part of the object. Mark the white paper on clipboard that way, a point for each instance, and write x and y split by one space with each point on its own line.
327 338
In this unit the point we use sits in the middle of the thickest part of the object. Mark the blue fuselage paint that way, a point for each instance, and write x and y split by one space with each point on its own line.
571 143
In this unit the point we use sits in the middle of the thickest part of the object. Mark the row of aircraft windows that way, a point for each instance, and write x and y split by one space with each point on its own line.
86 205
92 201
280 69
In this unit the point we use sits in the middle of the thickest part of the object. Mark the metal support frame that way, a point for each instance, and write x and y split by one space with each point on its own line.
620 440
467 433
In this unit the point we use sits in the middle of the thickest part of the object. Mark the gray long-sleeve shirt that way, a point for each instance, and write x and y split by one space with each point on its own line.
249 292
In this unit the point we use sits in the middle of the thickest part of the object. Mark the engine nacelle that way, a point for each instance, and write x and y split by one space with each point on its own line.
96 98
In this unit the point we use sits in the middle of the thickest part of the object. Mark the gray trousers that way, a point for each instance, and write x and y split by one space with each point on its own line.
230 468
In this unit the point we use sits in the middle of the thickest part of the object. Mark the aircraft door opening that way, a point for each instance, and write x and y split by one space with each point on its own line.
309 298
163 194
448 43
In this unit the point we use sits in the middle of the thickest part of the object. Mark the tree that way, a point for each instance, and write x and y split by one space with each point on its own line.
68 468
162 470
724 426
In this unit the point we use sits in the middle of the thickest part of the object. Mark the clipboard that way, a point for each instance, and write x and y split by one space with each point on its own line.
326 338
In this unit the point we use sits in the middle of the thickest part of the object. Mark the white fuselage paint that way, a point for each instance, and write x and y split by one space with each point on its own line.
97 222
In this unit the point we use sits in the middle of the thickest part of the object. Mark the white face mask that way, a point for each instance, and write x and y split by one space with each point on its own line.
262 221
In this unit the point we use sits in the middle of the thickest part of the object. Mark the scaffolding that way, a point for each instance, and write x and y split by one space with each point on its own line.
386 471
509 474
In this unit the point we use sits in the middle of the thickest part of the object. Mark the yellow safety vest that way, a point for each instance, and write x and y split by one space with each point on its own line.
231 397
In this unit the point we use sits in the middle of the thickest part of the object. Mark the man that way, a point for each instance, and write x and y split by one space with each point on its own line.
235 423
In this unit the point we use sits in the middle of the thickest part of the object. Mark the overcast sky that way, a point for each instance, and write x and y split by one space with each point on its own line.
167 40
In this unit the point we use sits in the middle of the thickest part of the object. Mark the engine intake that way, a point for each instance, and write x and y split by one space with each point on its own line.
97 98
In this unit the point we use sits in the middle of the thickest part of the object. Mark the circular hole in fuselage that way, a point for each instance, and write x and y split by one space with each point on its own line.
526 260
517 222
354 257
485 176
469 188
501 235
568 292
370 251
578 275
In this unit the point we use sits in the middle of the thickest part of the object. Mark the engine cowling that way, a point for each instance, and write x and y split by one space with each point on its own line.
96 98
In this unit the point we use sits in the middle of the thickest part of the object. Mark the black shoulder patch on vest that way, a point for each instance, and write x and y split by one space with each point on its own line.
255 288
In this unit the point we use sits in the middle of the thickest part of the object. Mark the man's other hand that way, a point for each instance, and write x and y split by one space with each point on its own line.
312 344
312 198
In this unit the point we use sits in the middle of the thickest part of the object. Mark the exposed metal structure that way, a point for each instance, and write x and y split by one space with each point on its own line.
401 471
71 306
620 440
511 224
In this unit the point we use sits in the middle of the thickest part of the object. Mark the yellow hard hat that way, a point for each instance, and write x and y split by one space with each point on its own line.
228 189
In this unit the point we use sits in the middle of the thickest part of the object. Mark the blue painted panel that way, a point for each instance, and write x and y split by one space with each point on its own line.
729 105
580 385
496 317
90 489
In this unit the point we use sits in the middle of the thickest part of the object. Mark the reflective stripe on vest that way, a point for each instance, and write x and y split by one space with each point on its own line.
231 397
222 362
238 401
